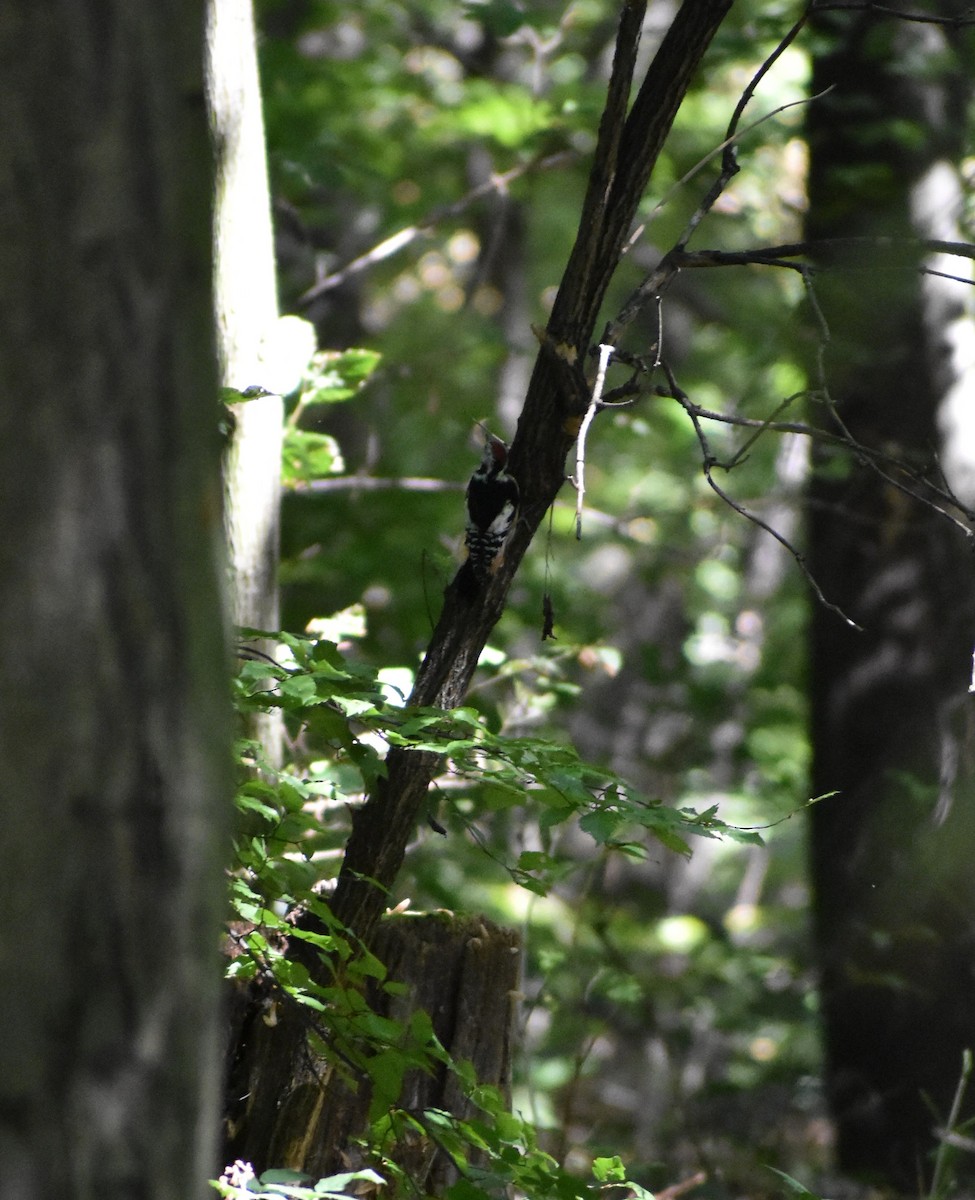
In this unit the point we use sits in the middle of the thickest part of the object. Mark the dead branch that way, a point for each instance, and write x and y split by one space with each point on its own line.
818 254
404 237
709 462
666 271
605 354
377 483
959 22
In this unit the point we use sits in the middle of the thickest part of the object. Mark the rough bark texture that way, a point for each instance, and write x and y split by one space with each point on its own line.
114 738
315 1123
892 722
286 1107
628 146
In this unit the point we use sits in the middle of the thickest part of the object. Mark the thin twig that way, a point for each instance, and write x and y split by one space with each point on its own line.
822 250
742 451
404 237
866 453
668 267
963 19
947 1135
605 354
372 483
710 462
731 140
682 1187
760 74
863 452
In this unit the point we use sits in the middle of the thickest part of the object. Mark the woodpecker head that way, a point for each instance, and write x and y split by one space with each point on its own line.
495 455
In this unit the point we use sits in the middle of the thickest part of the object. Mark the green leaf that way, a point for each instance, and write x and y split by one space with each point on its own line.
283 1175
229 395
601 824
508 113
336 375
794 1187
386 1070
501 17
338 1184
609 1170
307 456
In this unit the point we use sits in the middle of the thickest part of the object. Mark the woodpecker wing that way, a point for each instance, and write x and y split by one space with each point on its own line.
490 499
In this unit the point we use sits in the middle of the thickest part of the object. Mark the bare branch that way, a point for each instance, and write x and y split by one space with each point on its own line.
760 74
667 269
816 434
825 250
722 146
963 19
409 234
742 451
865 454
605 354
372 483
709 462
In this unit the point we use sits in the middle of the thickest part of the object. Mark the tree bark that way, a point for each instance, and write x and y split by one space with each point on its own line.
630 140
114 739
246 311
287 1107
892 722
283 1108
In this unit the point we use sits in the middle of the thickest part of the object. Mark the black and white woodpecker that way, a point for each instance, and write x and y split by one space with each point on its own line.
492 508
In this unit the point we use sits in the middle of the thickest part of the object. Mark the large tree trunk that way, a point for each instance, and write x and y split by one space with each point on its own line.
114 737
891 718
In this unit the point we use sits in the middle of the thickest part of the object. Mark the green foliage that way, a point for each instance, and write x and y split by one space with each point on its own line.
292 826
678 981
330 378
239 1183
342 716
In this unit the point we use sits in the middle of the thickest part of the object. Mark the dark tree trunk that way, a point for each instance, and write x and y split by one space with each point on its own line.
272 1063
115 731
631 136
891 718
286 1107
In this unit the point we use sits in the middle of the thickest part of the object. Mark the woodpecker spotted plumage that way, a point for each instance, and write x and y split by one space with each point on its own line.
492 506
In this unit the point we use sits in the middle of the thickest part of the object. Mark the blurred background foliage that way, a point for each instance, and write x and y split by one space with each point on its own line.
669 1011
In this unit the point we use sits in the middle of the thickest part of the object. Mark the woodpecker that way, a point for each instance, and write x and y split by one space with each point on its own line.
492 506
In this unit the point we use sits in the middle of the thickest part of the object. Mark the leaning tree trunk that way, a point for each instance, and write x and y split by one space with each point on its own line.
631 136
115 731
891 718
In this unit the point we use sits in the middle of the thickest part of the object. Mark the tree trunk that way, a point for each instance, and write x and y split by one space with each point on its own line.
114 739
287 1108
246 308
891 719
631 136
272 1062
